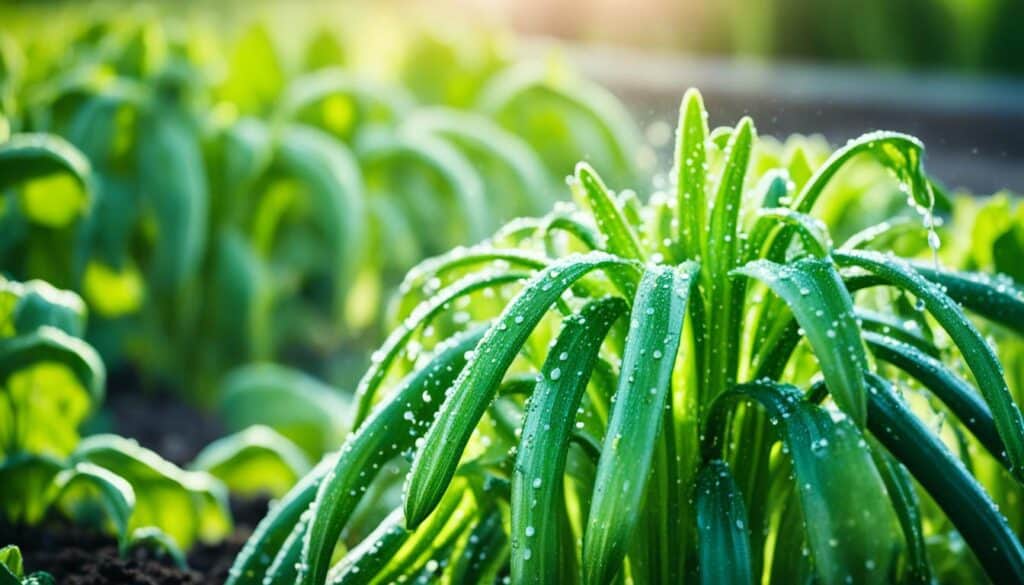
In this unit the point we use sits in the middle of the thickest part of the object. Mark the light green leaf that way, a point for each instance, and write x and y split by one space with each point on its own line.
823 308
691 174
10 559
186 505
435 462
76 487
537 490
656 325
301 408
618 235
43 373
254 460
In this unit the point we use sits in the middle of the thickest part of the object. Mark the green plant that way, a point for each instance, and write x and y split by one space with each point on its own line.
50 381
12 570
218 191
700 386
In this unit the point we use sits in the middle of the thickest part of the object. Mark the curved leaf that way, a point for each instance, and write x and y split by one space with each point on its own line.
823 308
392 428
24 157
656 325
115 494
366 391
483 135
851 528
980 358
952 390
186 505
335 185
960 496
537 491
303 409
996 298
252 461
435 462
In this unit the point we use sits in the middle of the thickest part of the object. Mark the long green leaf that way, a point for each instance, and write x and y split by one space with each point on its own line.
365 560
722 525
484 554
537 491
852 530
619 237
390 430
691 174
437 459
656 325
173 177
960 496
366 390
823 308
952 390
253 561
997 298
722 295
905 502
980 358
897 152
335 184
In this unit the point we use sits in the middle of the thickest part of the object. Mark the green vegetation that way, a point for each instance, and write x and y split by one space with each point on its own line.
787 364
12 571
50 382
218 204
704 386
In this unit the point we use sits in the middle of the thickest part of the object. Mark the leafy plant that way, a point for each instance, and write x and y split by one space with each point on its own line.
50 381
218 192
12 570
700 386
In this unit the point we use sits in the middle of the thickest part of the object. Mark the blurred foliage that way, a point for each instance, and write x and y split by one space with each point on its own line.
223 198
50 381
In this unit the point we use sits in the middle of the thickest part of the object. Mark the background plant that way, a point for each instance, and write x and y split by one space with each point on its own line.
703 385
253 210
50 382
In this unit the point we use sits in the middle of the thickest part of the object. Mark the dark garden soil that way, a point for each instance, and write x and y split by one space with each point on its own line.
76 556
157 419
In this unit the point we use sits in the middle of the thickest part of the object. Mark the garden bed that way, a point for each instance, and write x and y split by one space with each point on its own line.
81 556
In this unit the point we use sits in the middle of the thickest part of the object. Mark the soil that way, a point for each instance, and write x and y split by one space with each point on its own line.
78 556
157 419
